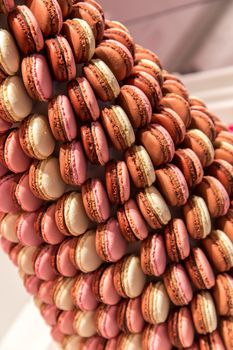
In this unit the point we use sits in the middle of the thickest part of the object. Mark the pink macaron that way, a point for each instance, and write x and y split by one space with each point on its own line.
46 291
26 199
65 322
48 228
153 255
45 263
62 119
155 337
32 284
82 293
8 185
50 314
129 316
106 321
36 77
16 160
63 263
25 229
6 245
110 244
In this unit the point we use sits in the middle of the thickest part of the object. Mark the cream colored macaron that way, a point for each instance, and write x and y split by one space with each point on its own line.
72 342
129 342
84 323
62 294
8 227
9 54
204 313
26 259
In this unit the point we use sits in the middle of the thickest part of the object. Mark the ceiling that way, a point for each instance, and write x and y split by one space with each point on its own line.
188 35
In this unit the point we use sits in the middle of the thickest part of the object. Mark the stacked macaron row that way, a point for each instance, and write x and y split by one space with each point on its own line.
116 186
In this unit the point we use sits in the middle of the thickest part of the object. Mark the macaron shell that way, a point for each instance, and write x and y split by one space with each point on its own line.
226 329
45 263
65 322
100 143
25 197
225 224
153 255
180 328
223 171
129 342
211 340
204 313
45 293
63 261
8 227
9 53
103 286
82 294
179 105
106 321
32 285
84 324
13 151
224 150
223 296
19 104
121 36
62 294
155 337
129 316
25 228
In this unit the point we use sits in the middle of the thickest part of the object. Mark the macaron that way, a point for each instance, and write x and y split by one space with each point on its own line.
70 215
115 24
57 336
50 314
225 136
153 255
153 207
129 341
215 196
96 341
102 80
37 78
225 223
95 143
150 67
129 279
172 85
63 262
129 316
62 294
131 222
4 126
177 240
224 150
8 185
6 245
210 341
31 131
201 145
189 164
106 321
155 337
66 7
48 228
48 15
103 286
8 227
65 322
83 252
140 166
45 180
223 171
178 285
26 199
117 181
82 293
15 158
9 55
204 313
203 122
136 105
81 39
84 324
15 104
25 229
148 84
110 243
122 36
143 53
219 249
116 55
46 291
95 200
196 101
32 284
197 217
155 303
179 105
72 341
73 164
92 16
60 58
26 30
6 6
180 328
83 99
172 185
172 122
118 127
62 119
199 269
226 330
45 268
158 143
14 253
223 294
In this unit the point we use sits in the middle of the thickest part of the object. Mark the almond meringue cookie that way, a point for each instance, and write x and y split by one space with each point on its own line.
62 294
8 227
9 54
84 323
34 129
15 103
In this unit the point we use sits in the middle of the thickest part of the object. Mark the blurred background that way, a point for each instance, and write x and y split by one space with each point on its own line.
191 37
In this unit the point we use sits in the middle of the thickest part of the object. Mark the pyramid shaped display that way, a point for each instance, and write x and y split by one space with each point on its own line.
116 185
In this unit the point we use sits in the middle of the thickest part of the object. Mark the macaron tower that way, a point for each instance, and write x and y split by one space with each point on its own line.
116 185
